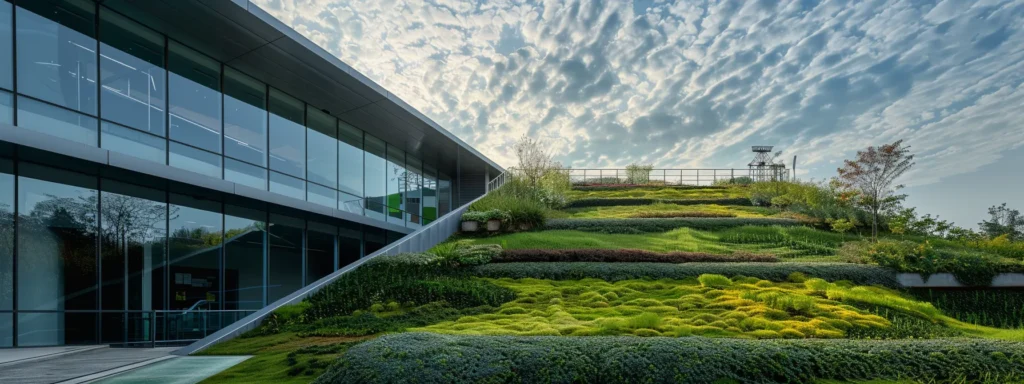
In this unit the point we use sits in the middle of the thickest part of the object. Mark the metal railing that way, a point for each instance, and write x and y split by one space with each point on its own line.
374 208
696 177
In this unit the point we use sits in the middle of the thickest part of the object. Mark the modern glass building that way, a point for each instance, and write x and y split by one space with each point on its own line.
169 166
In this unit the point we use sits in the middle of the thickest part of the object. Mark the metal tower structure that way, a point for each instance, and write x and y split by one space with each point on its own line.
764 167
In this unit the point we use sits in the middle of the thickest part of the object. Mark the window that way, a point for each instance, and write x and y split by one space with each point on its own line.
56 229
245 118
133 143
131 74
375 176
195 160
322 151
429 194
56 121
285 260
444 194
6 242
413 194
350 160
350 243
375 239
246 174
287 185
349 203
321 195
195 238
194 98
396 176
6 108
6 57
57 52
243 257
319 251
287 134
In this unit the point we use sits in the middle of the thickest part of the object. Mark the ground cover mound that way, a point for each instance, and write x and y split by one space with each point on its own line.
609 202
858 274
433 358
622 255
661 225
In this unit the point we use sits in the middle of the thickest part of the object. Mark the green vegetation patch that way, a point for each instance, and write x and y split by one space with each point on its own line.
672 193
1001 308
658 209
857 274
622 256
434 358
661 225
280 358
609 202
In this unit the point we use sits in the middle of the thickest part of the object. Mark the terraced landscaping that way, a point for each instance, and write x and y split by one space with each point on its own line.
651 292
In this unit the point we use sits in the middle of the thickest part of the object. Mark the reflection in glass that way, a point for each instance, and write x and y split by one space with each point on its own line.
444 194
321 195
319 251
322 151
6 240
57 53
133 143
6 330
195 109
131 74
246 174
396 179
350 160
6 57
349 203
375 169
245 118
350 243
429 194
413 193
46 329
243 257
56 121
287 185
287 134
194 242
374 239
195 160
56 252
6 108
285 261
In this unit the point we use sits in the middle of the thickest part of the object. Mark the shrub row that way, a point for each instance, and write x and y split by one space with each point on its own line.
859 274
674 214
622 256
1002 308
596 202
434 358
616 187
661 225
970 267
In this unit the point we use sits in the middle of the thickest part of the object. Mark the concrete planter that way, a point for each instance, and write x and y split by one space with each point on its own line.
470 226
493 225
947 280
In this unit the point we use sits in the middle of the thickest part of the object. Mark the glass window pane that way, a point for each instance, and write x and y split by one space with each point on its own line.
429 194
287 185
133 143
321 195
6 55
56 239
349 203
350 160
56 121
396 176
6 108
194 243
374 239
245 118
246 174
444 195
319 251
287 134
285 261
134 227
350 241
413 195
194 98
243 257
131 74
188 158
6 241
43 329
6 330
375 176
57 52
322 151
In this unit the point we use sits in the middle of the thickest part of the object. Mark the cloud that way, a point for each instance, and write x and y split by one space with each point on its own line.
688 84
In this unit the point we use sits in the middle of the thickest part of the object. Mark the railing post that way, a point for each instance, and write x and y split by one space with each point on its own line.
152 329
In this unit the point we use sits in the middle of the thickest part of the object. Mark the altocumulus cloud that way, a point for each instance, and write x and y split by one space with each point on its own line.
695 83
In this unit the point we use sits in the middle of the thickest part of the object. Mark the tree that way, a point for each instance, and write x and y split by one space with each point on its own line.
534 160
1004 221
872 174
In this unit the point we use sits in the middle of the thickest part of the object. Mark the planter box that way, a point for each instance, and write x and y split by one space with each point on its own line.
493 225
470 226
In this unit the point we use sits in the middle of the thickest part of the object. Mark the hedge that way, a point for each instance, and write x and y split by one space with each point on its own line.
860 274
597 202
661 225
434 358
619 187
621 255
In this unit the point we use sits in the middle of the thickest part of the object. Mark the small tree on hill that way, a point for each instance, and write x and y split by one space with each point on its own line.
1004 221
534 160
872 176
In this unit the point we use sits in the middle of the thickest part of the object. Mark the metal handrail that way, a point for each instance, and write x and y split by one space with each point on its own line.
670 176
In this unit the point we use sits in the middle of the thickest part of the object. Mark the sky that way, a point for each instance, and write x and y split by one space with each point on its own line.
688 84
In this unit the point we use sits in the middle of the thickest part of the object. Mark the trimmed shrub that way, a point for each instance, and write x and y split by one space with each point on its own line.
969 267
858 274
708 280
477 254
433 358
595 202
661 225
1002 308
622 256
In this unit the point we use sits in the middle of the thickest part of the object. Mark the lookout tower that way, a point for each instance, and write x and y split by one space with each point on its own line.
764 167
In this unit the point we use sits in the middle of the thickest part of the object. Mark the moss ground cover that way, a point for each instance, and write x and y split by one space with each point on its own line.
280 358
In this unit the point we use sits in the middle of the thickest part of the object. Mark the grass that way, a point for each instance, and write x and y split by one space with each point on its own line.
279 358
623 212
661 193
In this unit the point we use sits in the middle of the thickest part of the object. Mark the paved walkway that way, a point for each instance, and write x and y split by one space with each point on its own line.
179 370
57 367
